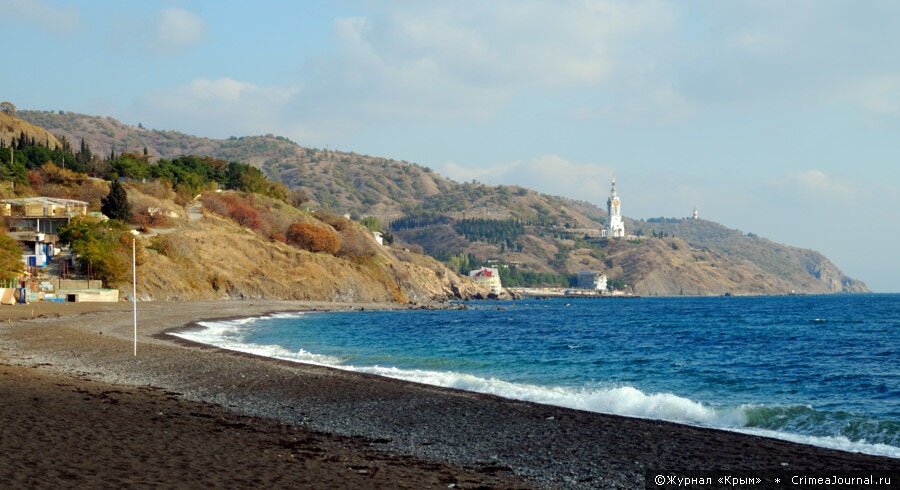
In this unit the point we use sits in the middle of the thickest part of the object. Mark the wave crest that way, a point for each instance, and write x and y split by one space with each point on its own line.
767 421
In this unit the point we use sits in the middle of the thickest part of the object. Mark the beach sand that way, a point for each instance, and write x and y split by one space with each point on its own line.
79 410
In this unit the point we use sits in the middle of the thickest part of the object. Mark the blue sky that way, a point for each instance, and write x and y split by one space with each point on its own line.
778 118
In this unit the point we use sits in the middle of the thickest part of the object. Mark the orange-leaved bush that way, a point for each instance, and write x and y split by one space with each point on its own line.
239 208
313 238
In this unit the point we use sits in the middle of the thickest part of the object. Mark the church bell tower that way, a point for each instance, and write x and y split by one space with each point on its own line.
616 227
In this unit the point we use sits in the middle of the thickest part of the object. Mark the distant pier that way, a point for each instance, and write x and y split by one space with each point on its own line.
548 293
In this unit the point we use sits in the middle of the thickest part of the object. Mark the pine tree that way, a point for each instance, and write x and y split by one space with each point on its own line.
84 155
115 204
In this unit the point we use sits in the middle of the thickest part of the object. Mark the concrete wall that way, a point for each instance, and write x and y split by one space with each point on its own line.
90 295
75 283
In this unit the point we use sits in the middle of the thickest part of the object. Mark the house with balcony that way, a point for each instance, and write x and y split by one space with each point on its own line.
488 277
35 223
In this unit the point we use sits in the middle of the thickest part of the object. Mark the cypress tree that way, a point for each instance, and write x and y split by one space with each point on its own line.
115 204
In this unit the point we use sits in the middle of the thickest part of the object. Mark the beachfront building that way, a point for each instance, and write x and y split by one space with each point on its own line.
40 214
592 280
616 227
488 277
35 222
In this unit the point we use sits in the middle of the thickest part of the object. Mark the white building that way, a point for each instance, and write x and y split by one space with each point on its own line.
591 280
616 227
696 214
488 277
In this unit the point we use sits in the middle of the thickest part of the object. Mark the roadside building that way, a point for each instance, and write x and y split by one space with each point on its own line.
591 280
488 277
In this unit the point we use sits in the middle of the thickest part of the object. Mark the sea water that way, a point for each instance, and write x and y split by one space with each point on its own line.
822 370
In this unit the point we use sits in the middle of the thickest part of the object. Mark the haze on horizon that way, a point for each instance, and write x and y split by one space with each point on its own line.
777 118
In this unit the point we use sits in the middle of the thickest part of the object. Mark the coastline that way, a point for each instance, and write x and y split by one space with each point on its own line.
488 436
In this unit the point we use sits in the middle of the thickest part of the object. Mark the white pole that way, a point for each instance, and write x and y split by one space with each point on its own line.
134 292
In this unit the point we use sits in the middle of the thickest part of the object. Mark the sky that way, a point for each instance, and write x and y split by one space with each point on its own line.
772 117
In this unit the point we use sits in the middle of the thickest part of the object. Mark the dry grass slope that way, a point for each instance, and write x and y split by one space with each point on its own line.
11 128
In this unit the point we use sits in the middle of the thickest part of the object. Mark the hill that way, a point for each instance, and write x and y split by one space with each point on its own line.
215 257
239 237
534 238
13 128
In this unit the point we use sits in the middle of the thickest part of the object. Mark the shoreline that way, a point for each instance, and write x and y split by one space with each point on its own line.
172 335
451 427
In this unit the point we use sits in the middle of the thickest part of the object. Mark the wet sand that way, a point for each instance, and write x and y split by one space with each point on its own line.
79 409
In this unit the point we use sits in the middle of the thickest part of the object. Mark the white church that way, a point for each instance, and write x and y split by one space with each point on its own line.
616 227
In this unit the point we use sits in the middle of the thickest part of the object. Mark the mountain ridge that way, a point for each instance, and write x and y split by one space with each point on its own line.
679 257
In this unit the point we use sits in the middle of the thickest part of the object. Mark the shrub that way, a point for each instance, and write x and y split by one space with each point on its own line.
371 223
339 223
104 247
10 258
357 244
313 238
144 219
239 208
215 204
245 215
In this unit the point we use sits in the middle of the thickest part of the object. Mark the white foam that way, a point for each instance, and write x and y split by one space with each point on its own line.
619 400
229 334
832 442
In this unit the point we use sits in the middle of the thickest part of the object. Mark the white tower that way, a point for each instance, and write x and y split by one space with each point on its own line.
696 213
616 228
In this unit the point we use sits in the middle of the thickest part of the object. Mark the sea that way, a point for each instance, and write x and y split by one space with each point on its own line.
821 370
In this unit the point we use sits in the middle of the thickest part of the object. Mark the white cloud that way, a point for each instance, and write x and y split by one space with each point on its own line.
222 89
551 174
470 59
177 29
814 183
49 17
218 107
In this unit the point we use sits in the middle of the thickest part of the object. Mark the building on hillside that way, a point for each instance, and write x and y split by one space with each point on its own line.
40 214
696 214
595 281
488 277
379 237
616 227
35 222
37 250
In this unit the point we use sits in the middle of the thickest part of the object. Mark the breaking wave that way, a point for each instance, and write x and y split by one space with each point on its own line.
768 421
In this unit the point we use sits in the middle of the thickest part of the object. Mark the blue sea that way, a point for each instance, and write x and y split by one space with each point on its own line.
822 370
